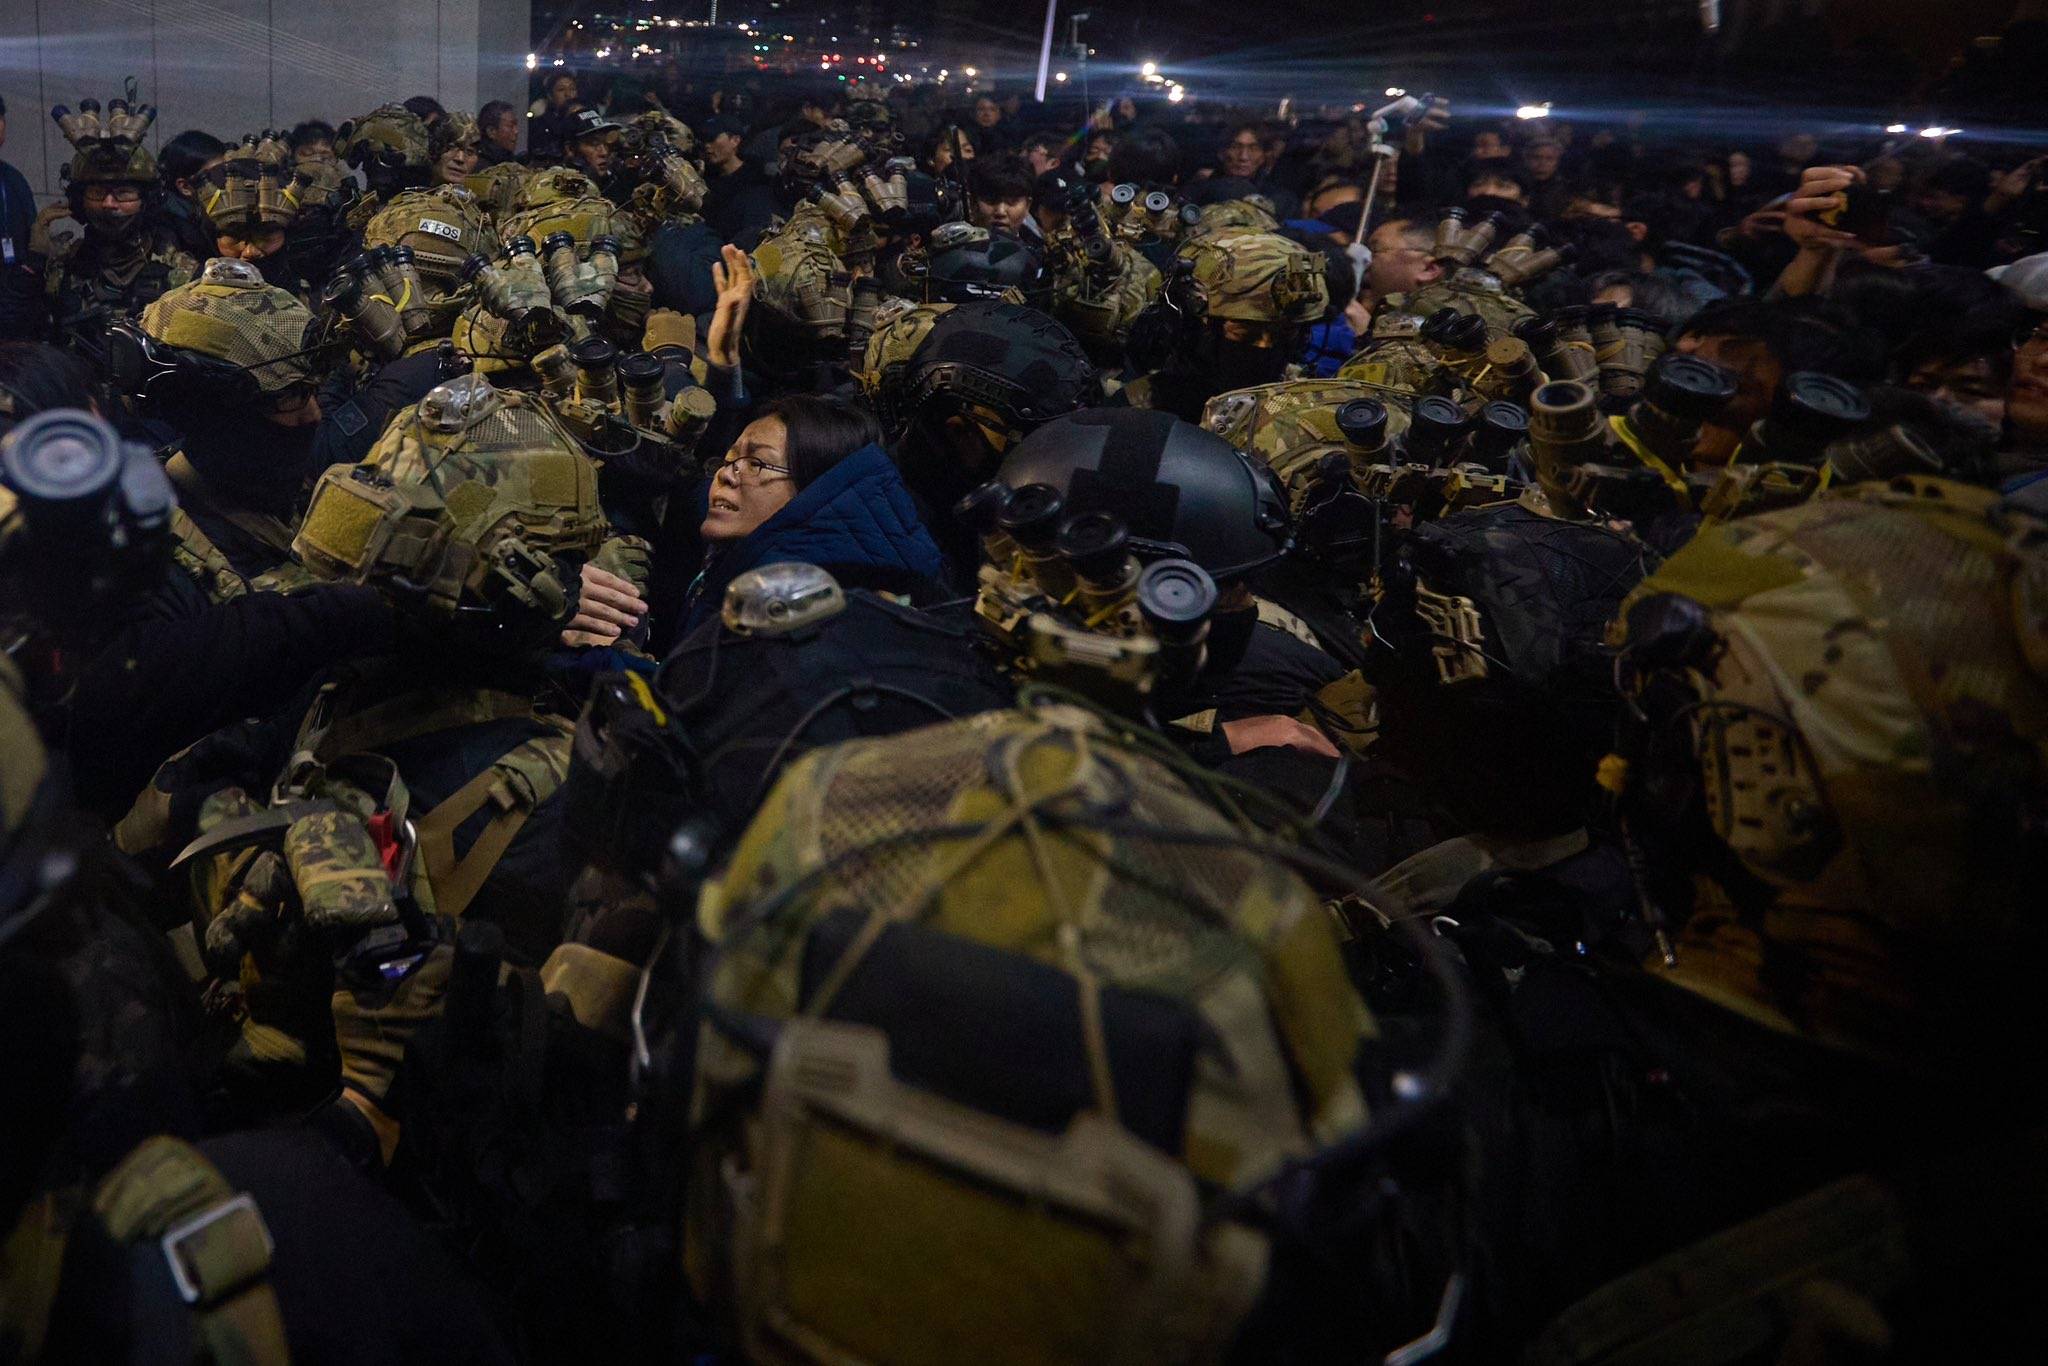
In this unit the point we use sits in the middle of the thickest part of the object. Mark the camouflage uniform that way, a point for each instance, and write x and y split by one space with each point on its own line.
90 278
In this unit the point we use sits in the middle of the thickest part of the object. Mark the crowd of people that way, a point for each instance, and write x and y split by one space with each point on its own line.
818 725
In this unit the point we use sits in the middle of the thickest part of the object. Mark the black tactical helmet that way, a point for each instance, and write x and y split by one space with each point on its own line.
1184 493
1015 363
968 263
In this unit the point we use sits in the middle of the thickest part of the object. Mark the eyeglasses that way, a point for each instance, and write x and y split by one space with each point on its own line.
112 194
751 467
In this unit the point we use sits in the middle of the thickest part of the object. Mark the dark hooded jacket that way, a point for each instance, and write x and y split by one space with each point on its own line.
857 520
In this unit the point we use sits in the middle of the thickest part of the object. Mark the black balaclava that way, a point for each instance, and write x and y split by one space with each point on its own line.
247 459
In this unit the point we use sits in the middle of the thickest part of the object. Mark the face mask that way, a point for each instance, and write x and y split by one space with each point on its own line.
118 227
1240 365
1230 636
247 459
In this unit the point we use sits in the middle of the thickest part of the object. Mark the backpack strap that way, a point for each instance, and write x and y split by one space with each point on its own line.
213 1240
516 785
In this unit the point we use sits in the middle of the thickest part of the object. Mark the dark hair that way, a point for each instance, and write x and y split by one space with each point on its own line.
184 154
492 112
1648 293
553 79
1800 334
1965 176
1145 156
39 377
1051 142
312 130
822 431
1495 168
1600 244
994 179
427 107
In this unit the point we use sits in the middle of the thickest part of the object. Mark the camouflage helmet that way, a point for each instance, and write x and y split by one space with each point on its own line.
1467 291
1257 277
1253 214
1008 367
560 199
443 226
657 123
231 314
818 157
1292 425
465 502
108 145
390 136
868 116
451 131
797 274
1855 693
251 186
110 164
497 188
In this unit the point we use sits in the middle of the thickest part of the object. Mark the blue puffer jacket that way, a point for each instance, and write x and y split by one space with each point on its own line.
857 516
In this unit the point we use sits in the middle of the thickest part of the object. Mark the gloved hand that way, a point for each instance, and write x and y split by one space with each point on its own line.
666 327
377 1011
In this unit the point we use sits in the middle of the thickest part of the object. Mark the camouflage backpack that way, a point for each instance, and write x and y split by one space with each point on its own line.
982 1064
1292 425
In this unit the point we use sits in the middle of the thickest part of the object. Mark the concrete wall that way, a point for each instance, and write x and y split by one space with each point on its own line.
239 66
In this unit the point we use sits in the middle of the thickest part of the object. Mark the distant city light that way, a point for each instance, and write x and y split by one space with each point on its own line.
1534 111
1149 69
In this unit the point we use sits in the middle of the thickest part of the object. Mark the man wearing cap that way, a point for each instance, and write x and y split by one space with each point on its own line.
589 146
740 200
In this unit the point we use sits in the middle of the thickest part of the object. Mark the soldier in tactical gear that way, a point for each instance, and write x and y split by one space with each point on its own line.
250 197
226 362
1233 314
125 257
455 146
956 386
391 146
127 1232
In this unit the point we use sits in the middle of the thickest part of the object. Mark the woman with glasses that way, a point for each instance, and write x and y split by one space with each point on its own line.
808 481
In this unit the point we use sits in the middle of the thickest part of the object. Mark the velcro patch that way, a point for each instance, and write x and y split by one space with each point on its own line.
447 230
